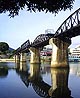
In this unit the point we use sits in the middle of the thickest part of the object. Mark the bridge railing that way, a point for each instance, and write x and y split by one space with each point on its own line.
70 22
42 39
22 48
25 45
17 51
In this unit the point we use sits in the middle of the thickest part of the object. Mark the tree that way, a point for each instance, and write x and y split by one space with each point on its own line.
54 6
3 47
69 51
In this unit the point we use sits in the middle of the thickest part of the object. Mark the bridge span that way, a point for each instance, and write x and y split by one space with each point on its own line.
60 42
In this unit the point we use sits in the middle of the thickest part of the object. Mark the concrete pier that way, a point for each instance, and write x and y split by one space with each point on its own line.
35 55
17 58
59 53
23 57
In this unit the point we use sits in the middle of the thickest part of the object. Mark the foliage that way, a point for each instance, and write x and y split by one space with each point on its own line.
54 6
69 51
3 47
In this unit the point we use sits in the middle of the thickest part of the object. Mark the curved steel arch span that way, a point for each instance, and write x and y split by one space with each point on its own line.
70 27
42 40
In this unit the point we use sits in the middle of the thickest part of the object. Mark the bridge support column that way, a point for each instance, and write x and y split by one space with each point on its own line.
17 58
59 53
23 57
35 56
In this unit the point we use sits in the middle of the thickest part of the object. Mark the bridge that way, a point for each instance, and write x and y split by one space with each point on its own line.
60 42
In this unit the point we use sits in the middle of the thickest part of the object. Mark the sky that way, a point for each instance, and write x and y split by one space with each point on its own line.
15 31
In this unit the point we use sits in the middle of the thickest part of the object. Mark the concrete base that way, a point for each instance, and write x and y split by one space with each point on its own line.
35 56
23 57
59 53
17 58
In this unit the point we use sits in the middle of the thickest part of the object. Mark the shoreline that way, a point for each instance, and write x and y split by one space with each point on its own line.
7 60
42 60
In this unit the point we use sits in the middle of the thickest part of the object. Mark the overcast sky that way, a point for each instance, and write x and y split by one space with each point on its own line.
26 25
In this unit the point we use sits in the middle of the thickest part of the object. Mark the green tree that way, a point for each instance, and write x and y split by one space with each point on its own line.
69 51
54 6
4 47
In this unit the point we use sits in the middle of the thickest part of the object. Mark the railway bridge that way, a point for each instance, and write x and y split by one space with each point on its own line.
60 42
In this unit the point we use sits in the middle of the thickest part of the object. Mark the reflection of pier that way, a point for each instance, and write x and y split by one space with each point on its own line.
22 66
22 70
40 87
59 87
35 79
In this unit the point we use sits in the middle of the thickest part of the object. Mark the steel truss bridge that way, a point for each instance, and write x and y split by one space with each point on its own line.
68 29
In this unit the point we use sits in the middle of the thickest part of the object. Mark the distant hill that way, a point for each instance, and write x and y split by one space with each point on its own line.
9 52
11 49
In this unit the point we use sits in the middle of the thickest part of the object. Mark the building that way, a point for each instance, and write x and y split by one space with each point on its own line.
46 52
74 54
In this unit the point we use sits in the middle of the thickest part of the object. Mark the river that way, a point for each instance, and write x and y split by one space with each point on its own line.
26 80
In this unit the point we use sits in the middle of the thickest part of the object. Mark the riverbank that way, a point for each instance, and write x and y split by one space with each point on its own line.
7 60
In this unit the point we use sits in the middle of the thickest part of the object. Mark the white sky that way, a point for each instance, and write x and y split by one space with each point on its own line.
17 30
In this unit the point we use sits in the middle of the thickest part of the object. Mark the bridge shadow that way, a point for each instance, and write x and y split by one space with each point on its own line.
59 82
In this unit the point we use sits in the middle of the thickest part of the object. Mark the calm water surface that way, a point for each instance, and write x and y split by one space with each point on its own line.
39 81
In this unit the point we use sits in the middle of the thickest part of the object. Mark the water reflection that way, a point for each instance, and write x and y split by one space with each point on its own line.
35 72
40 87
59 87
22 66
17 65
3 71
75 69
34 78
23 70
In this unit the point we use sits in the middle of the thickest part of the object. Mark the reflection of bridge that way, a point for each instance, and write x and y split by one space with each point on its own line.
41 88
59 41
59 80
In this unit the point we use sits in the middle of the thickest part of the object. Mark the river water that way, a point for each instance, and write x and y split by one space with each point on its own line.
24 80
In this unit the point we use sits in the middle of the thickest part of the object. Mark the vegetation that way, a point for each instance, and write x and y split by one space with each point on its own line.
54 6
4 47
69 51
5 50
3 71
